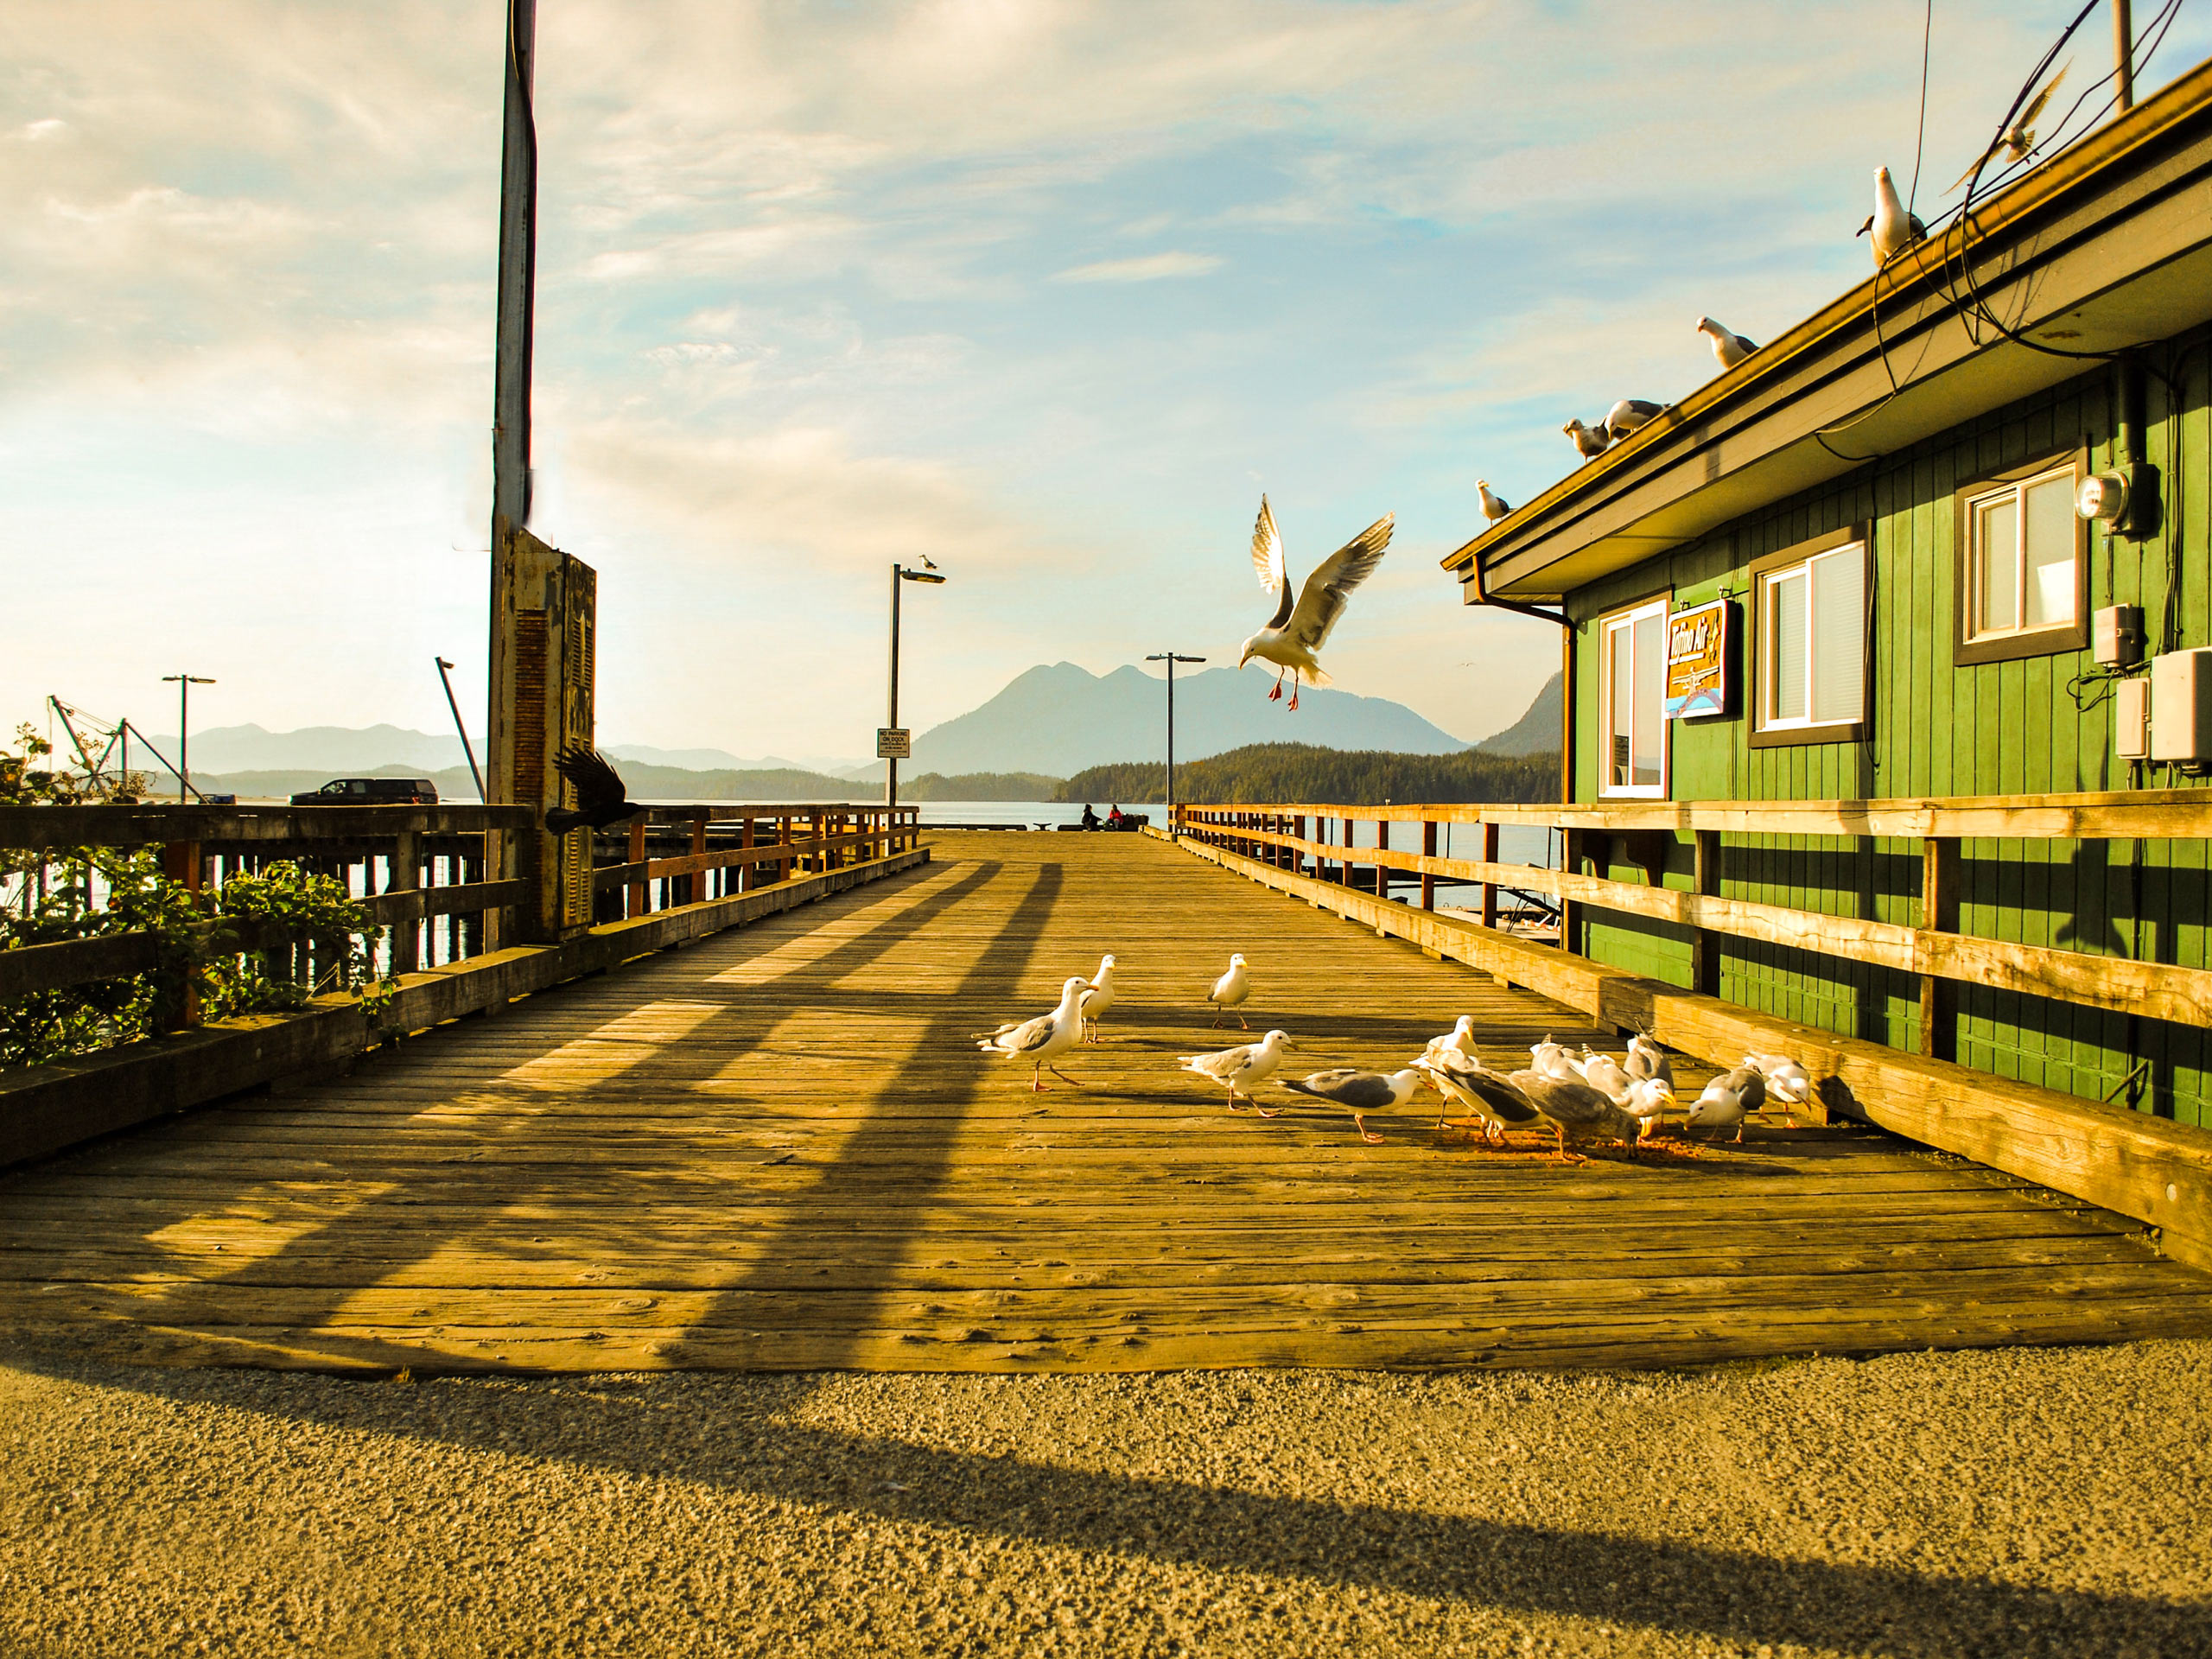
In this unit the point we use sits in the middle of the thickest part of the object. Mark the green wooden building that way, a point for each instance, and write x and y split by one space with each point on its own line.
1881 509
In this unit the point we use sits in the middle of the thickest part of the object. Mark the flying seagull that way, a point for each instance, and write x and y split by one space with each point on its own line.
1894 229
1359 1092
1247 1064
1630 414
1589 441
601 798
1301 627
1728 345
2018 140
1494 507
1044 1039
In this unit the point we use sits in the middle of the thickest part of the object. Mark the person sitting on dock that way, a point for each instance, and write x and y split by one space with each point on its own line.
1090 818
1113 818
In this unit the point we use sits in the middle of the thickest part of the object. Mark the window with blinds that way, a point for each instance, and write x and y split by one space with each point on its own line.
1812 641
1633 700
2023 545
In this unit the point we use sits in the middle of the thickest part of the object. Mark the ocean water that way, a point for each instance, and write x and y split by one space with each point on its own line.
1516 844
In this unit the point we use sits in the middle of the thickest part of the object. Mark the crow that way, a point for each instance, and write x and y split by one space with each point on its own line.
601 798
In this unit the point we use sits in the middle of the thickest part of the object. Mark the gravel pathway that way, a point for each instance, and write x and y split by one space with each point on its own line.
2019 1502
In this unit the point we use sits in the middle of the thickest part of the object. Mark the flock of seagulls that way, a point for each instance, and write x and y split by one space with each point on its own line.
1893 228
1582 1098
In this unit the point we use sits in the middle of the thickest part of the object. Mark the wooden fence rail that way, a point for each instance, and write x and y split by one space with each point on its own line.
1643 834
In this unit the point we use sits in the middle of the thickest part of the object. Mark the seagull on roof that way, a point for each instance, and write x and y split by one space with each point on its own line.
1590 442
1301 627
1630 414
1728 345
1894 229
2017 141
601 798
1494 507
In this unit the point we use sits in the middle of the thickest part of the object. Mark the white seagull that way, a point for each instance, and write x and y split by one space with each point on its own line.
1230 991
1726 1099
1493 506
1460 1040
1894 230
2018 140
1728 345
1647 1060
1630 414
1554 1061
1786 1080
1044 1039
1359 1092
1098 996
1495 1099
1605 1074
1247 1064
1647 1098
1301 627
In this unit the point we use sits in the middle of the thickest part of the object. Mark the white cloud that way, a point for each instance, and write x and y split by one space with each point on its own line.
1147 268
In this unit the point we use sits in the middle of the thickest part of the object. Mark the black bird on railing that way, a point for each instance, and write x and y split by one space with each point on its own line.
601 798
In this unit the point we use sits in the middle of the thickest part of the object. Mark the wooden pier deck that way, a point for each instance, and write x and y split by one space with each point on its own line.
778 1148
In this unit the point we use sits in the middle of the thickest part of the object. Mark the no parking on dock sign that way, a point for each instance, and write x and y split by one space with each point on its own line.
1697 660
894 743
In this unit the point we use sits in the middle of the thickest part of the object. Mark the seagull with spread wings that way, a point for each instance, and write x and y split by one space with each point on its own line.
1301 625
602 797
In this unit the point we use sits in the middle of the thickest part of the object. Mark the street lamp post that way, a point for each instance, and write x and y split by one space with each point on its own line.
184 683
898 573
1171 658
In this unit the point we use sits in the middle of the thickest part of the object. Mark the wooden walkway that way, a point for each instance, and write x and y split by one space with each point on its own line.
778 1148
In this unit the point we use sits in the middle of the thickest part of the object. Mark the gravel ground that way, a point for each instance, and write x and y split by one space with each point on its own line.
2021 1501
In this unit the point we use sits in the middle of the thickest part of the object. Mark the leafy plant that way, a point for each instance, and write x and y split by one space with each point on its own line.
262 943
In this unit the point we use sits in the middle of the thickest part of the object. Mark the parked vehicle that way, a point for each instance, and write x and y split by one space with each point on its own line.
371 792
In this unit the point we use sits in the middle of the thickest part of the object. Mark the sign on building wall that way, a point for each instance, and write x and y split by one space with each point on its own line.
1697 660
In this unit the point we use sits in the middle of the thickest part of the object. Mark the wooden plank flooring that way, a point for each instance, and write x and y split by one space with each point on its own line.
779 1148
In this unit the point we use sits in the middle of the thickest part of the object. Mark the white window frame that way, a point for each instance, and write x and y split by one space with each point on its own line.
1804 726
2017 489
1614 626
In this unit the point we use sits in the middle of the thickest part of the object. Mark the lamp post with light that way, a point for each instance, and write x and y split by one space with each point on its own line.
1171 658
184 682
898 573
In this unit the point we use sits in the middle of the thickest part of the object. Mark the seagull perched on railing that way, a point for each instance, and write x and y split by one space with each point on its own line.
1301 627
601 800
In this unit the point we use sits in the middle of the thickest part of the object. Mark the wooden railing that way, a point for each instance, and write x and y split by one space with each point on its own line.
419 871
697 852
1647 834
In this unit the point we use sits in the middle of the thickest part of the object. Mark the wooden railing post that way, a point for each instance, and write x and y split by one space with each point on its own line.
180 864
1489 888
402 873
1939 913
1570 912
1427 881
784 841
700 878
640 899
1705 945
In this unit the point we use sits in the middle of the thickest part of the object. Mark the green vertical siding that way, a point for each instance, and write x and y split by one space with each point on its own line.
2001 728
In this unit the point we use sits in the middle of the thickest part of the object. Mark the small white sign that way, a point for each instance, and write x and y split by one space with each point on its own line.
894 743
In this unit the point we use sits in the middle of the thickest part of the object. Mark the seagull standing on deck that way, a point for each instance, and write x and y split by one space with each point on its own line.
1247 1064
1230 991
1044 1039
1576 1110
1098 996
1301 627
1359 1092
1497 1101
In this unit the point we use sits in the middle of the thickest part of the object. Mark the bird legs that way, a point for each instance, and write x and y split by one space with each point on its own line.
1359 1122
1256 1107
1275 696
1039 1086
1564 1156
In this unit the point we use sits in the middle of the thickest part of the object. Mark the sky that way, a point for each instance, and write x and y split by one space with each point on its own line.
1048 291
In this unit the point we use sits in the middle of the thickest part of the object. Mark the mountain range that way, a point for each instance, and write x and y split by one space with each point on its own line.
1052 719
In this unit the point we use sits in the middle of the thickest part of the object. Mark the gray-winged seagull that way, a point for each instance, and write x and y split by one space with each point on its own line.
1301 627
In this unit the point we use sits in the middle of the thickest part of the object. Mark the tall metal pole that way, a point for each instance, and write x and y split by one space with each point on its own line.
466 748
517 272
890 762
2123 43
1171 658
184 685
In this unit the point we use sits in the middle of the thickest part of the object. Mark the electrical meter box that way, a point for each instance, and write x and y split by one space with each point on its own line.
2130 719
2116 636
2180 706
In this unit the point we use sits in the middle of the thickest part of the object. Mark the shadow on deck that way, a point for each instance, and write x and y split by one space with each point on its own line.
779 1149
